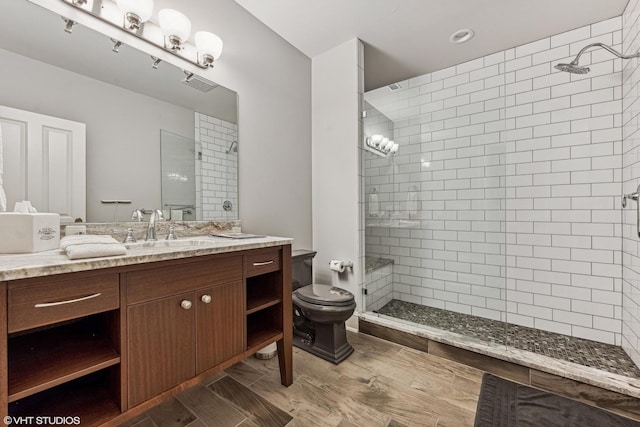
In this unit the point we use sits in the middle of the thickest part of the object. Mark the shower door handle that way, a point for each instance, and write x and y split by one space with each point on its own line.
634 196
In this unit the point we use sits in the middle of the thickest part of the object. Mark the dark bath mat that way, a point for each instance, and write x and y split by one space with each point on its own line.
504 403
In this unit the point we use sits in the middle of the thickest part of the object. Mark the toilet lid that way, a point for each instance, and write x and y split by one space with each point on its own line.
325 295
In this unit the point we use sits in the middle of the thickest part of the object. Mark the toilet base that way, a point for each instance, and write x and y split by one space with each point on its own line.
329 342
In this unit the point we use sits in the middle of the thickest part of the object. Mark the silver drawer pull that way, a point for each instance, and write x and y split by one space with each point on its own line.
69 301
257 264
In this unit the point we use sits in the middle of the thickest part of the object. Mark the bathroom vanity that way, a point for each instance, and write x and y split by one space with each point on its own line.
106 339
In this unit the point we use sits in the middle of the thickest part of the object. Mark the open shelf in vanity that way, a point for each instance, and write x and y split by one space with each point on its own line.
63 347
264 298
42 359
90 398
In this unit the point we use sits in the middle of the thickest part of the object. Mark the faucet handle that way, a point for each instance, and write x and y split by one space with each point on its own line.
172 234
129 238
137 215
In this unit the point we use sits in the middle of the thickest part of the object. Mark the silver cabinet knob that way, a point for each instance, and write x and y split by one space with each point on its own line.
206 299
186 304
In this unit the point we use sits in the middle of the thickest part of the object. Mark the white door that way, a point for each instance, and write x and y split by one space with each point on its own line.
44 162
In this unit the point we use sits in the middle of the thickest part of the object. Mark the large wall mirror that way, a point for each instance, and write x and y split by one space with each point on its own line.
127 106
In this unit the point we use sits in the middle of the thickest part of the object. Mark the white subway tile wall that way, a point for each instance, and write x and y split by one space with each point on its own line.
379 287
517 170
218 179
630 181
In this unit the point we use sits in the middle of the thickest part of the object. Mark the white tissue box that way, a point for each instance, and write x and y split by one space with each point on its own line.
29 232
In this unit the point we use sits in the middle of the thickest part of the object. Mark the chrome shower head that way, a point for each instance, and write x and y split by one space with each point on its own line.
574 68
233 148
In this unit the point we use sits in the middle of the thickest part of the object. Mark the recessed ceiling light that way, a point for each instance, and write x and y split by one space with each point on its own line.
461 36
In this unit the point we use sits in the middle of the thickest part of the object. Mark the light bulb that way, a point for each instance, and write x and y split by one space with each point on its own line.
175 26
136 12
376 139
209 47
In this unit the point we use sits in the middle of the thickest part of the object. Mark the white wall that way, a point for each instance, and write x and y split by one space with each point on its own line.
630 181
337 86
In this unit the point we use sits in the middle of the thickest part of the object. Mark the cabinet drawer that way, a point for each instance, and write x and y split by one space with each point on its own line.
164 281
33 305
262 261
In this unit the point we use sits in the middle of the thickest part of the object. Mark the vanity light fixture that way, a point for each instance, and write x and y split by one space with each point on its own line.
378 144
68 28
209 47
188 77
156 62
116 45
136 13
176 28
173 26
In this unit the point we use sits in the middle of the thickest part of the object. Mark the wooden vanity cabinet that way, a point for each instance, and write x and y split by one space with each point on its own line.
173 339
219 324
63 348
108 344
174 336
161 351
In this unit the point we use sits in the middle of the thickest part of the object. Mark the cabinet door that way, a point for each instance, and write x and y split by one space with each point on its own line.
161 345
220 324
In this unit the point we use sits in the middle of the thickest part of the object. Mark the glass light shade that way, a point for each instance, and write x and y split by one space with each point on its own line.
141 8
174 24
208 44
376 139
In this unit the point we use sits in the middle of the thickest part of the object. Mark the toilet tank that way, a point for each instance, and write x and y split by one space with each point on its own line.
301 268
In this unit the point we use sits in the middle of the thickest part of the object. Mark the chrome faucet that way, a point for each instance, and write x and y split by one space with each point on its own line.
156 215
137 215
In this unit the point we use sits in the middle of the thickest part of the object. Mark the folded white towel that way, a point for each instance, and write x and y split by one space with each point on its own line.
94 250
176 214
91 246
79 239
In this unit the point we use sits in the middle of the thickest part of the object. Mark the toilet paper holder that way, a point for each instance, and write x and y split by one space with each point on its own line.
340 266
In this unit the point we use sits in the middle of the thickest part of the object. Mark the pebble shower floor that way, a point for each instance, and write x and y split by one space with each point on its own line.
597 355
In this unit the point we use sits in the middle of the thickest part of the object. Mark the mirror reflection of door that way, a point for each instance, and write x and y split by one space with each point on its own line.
178 168
44 161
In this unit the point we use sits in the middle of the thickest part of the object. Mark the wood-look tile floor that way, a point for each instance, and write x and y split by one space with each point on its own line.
380 384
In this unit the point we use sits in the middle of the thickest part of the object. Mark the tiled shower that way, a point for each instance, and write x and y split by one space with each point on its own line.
504 199
217 143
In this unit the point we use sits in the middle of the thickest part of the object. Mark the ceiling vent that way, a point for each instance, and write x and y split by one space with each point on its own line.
199 83
395 86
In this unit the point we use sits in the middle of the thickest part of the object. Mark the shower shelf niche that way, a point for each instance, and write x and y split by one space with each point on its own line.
392 223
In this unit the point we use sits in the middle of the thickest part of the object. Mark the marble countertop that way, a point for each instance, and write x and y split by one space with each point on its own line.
22 266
